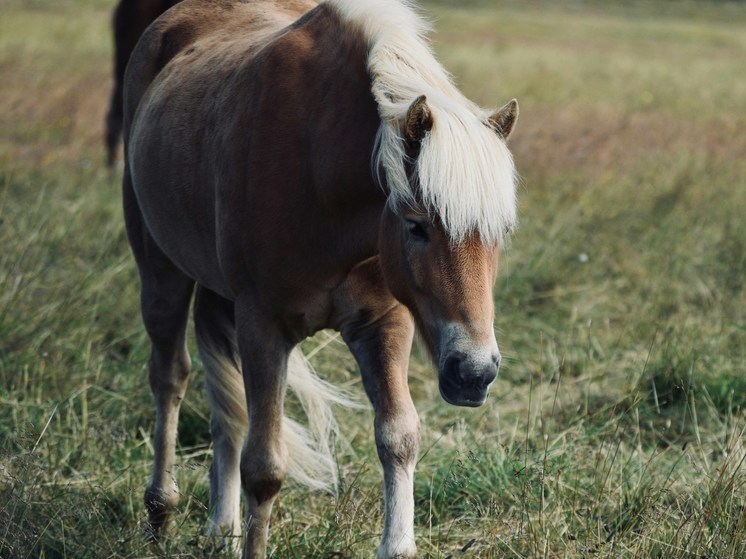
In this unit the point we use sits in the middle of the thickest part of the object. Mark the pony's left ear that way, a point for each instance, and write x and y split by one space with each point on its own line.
419 121
503 120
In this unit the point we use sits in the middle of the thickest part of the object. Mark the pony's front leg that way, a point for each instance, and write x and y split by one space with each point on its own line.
264 356
382 351
379 334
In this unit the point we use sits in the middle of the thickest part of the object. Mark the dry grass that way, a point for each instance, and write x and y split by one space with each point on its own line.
616 429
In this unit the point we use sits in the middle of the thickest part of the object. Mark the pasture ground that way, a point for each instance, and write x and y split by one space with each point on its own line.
616 428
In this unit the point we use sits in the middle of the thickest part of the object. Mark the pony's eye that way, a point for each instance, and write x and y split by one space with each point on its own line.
417 230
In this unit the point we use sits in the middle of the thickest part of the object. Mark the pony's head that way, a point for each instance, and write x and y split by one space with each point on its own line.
439 240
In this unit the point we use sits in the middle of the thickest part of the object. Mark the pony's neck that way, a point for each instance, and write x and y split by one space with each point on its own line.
346 120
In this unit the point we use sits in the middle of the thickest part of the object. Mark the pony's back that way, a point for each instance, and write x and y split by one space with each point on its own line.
207 21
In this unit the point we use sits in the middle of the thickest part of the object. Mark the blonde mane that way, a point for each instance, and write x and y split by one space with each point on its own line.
465 173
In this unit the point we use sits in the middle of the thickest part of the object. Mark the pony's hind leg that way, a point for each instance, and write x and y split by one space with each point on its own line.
216 338
165 296
165 309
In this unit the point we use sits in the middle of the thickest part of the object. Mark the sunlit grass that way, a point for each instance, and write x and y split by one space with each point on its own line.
616 427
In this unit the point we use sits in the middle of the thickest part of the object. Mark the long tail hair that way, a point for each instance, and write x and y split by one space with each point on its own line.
310 458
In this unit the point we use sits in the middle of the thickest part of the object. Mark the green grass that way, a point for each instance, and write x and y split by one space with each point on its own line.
616 428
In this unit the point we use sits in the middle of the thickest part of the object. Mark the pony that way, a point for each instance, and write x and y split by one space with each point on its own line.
129 20
295 166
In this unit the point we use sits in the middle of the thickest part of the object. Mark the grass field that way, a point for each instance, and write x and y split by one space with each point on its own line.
616 428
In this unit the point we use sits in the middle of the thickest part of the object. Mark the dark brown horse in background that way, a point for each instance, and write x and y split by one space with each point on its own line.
307 166
130 19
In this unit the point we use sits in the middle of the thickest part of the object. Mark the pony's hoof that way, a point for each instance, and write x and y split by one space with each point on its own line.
159 507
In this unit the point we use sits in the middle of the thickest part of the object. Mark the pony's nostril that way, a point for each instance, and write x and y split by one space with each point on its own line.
491 371
490 374
459 372
452 368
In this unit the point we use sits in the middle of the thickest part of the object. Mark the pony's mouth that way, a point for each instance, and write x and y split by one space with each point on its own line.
471 395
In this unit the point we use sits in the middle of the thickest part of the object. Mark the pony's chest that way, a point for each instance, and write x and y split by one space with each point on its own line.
307 317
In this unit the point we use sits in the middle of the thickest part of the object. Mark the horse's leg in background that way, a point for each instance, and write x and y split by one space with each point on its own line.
216 337
264 358
379 332
122 50
129 21
165 294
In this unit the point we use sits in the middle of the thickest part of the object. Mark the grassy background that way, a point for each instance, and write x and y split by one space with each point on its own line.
616 427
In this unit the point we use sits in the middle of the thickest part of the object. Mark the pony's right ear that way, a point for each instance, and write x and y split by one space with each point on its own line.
504 119
419 121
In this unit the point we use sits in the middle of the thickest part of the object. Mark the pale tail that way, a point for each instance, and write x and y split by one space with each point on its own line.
310 458
311 461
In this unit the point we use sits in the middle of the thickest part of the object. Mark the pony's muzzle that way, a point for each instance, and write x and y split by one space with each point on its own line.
465 381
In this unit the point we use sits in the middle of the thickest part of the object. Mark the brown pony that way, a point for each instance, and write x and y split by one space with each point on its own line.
307 166
131 18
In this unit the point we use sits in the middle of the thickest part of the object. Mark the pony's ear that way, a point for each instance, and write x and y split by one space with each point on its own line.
419 121
503 120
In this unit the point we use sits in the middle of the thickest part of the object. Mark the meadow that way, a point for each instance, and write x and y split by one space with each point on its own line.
616 427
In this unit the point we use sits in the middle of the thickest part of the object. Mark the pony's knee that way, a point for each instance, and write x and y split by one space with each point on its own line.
398 439
262 473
